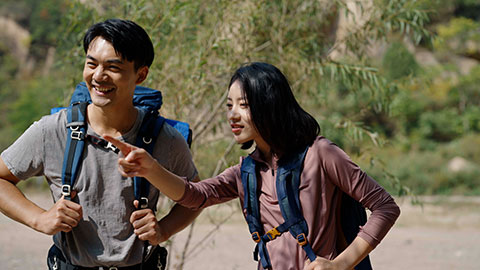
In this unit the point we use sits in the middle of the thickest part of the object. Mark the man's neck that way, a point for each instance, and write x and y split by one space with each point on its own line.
113 122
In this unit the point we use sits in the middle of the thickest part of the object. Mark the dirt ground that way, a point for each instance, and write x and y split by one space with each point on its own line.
442 234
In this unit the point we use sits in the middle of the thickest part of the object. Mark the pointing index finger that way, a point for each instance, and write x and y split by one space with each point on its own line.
124 147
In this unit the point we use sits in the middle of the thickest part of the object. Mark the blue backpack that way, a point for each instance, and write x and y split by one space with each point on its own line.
144 98
352 213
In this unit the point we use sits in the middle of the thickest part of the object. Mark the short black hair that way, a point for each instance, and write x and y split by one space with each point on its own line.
128 39
275 112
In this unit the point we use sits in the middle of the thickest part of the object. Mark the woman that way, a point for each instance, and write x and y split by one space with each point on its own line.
261 109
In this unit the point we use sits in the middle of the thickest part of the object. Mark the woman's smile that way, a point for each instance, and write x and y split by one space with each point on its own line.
236 128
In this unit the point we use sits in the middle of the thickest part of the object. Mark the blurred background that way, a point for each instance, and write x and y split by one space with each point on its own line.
395 83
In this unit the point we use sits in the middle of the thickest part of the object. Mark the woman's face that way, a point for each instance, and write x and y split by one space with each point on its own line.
238 115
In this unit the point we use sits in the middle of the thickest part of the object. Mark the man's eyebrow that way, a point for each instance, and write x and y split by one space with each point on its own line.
115 61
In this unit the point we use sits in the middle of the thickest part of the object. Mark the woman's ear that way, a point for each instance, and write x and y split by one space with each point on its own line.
142 74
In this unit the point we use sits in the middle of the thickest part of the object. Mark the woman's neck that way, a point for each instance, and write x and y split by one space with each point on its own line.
266 152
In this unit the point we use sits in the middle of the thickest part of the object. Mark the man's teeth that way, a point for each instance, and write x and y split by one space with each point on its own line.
103 89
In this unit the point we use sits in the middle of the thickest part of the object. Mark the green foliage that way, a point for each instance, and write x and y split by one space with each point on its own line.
440 126
471 119
28 107
398 62
466 93
459 35
8 70
427 172
42 18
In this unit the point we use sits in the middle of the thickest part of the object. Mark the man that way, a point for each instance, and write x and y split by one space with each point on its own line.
100 227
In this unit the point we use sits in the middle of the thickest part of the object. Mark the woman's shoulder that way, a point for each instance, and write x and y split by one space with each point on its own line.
322 144
326 149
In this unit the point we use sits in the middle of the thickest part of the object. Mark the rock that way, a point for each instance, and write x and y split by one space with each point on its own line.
460 164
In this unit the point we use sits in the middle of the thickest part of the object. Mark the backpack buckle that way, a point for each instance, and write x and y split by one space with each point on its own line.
112 147
143 202
301 239
273 233
76 134
147 140
66 190
256 237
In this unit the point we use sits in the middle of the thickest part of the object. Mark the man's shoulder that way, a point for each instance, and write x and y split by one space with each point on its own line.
169 133
172 151
49 124
54 122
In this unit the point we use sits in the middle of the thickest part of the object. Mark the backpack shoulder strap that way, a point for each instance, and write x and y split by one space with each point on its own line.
76 131
251 205
146 137
288 183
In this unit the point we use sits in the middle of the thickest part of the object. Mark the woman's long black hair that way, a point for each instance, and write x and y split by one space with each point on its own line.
275 112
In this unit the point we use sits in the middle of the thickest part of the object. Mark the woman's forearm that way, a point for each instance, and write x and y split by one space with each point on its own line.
168 183
353 254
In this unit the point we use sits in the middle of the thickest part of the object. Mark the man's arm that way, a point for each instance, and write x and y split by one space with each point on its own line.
147 227
63 216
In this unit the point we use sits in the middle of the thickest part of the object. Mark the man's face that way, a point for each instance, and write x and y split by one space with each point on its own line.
111 80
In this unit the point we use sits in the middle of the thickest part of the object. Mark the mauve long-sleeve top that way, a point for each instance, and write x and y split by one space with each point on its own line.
327 172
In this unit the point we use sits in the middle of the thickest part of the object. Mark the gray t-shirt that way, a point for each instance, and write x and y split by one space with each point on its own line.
104 237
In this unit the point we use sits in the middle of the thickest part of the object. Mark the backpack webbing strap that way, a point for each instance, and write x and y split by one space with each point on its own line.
146 138
147 135
288 183
76 125
249 182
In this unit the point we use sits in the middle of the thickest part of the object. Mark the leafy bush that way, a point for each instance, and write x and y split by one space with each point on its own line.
426 172
460 35
398 62
28 107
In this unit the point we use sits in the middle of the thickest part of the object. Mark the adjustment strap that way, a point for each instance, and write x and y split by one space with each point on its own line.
102 143
265 258
303 242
